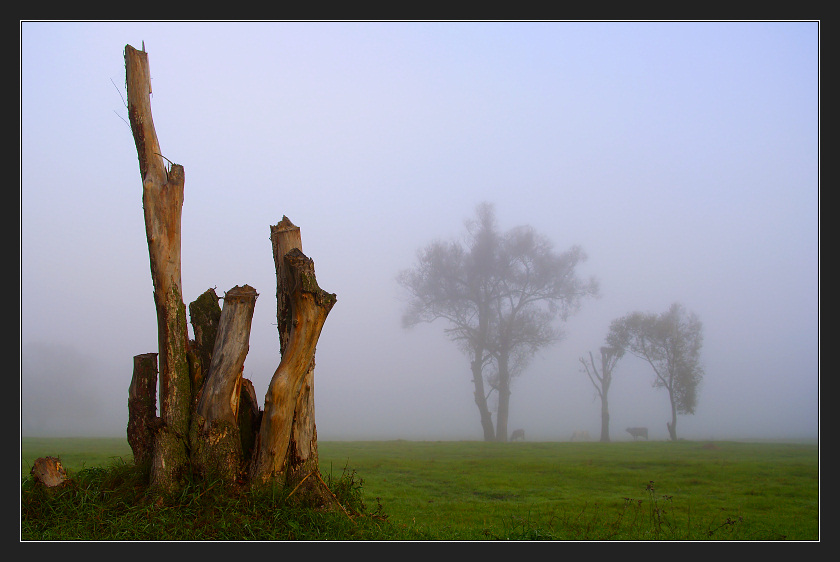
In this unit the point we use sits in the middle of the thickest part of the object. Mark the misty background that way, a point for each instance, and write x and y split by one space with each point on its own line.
682 156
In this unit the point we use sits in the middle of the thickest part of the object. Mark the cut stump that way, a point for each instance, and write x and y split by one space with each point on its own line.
49 472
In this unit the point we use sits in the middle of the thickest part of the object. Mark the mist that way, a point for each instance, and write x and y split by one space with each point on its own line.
683 157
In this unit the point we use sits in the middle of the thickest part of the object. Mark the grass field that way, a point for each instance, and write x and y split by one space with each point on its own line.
471 490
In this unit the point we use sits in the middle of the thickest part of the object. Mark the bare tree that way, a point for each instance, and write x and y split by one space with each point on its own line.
500 295
670 343
602 380
163 199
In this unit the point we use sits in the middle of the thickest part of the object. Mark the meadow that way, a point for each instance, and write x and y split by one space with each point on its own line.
460 490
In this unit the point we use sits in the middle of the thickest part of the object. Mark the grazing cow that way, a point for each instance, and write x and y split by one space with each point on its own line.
517 434
637 432
580 435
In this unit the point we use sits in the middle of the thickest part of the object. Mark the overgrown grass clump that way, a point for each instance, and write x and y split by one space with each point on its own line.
114 504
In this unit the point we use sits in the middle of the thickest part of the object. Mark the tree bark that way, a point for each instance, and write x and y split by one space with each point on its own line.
163 198
304 307
215 438
204 317
285 237
142 408
302 457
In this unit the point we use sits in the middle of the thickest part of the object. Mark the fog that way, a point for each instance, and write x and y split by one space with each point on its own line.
683 157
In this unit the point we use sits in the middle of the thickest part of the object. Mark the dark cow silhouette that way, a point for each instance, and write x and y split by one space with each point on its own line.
517 434
637 432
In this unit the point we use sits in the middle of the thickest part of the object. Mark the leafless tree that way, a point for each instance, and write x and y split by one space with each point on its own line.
600 374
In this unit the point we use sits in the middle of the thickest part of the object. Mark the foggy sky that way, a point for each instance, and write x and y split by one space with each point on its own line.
683 157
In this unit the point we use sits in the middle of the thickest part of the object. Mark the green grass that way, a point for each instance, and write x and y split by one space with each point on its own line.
76 452
407 490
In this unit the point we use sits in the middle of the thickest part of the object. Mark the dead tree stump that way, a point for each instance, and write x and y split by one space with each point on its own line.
49 472
306 310
209 417
215 437
204 317
142 407
302 457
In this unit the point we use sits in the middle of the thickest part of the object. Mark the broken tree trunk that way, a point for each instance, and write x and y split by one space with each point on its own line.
302 457
204 317
216 440
163 198
305 309
142 408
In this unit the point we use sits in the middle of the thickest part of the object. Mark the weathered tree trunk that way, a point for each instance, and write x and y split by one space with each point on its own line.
285 237
215 438
302 457
142 408
204 317
304 307
163 198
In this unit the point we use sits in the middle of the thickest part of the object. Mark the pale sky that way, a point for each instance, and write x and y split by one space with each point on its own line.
682 156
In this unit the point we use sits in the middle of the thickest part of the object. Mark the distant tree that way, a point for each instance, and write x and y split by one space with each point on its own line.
500 294
601 380
670 342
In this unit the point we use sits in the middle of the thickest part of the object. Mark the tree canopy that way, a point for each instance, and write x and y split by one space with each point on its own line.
501 295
